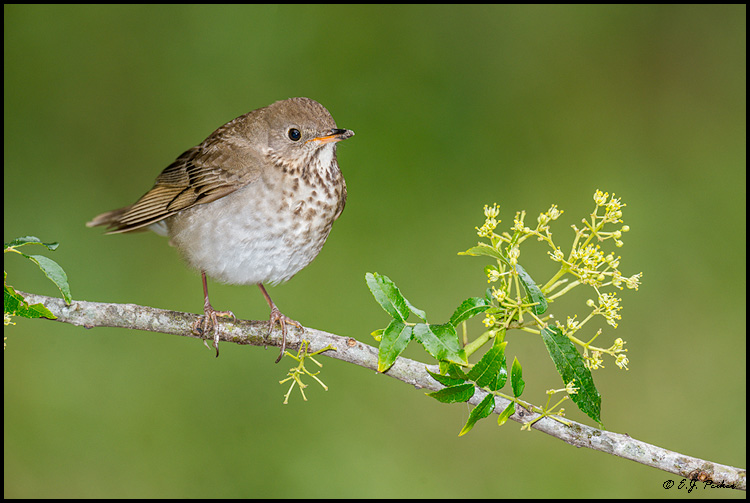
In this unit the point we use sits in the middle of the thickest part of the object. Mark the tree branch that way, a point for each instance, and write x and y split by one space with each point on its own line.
96 314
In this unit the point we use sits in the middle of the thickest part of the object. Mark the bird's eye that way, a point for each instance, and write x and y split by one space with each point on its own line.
294 134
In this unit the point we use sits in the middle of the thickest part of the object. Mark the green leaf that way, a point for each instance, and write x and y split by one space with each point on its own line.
30 240
488 295
488 368
54 272
482 249
502 378
395 339
504 415
481 411
453 394
502 375
535 293
421 314
570 365
15 305
441 341
388 296
469 308
445 380
452 370
516 381
377 334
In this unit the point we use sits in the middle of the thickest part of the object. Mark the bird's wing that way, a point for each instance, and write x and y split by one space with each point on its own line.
217 167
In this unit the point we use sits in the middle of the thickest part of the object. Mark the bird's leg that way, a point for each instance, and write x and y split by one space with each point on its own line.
281 319
208 322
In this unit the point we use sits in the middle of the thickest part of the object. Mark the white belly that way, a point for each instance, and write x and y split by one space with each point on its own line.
235 242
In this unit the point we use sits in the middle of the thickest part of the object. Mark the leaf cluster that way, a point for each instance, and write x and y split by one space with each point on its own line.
442 343
490 374
14 303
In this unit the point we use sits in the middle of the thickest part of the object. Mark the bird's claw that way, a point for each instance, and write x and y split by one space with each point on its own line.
209 323
280 318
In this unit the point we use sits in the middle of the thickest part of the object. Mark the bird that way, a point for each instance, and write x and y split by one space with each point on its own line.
252 204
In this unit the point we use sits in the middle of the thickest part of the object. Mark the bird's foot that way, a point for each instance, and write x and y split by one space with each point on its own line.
283 320
208 323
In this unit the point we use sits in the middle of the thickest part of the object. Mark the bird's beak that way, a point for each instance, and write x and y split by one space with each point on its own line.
334 135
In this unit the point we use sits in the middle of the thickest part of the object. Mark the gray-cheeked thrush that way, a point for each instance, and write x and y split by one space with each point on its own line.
252 204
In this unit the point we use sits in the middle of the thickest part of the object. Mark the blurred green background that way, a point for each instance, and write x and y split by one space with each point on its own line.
453 108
